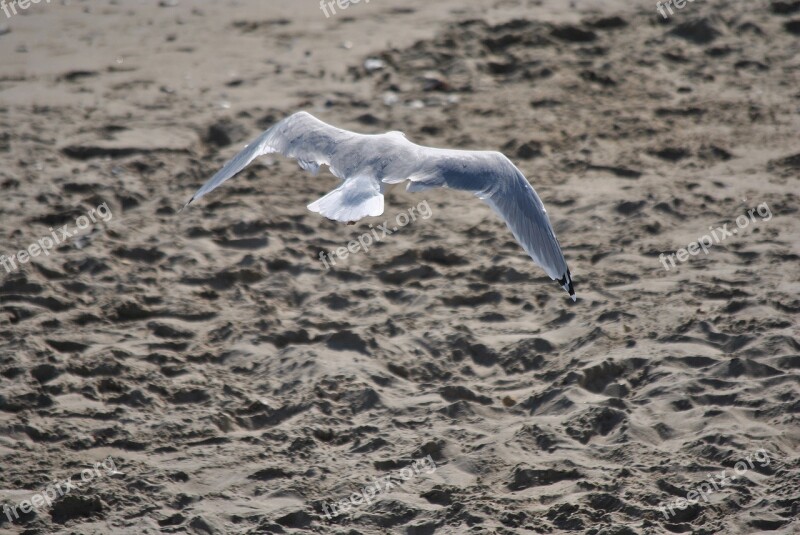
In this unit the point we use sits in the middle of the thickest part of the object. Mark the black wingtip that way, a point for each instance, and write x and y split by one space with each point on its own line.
566 283
185 205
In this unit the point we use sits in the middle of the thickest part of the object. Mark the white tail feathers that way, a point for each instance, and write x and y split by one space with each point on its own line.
356 198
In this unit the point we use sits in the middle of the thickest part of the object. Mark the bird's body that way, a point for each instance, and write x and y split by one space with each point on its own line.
367 163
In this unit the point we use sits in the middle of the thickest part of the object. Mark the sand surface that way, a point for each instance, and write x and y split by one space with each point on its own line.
234 384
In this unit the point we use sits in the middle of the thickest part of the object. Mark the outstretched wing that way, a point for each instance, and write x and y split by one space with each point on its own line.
494 179
517 203
300 136
314 143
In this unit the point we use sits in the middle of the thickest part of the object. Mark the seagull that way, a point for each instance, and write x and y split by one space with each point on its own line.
366 164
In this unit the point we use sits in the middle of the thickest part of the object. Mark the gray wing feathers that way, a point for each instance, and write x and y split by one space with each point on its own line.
314 143
519 205
301 136
492 177
239 162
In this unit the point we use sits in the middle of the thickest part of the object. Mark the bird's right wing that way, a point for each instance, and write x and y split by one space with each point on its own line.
494 179
517 203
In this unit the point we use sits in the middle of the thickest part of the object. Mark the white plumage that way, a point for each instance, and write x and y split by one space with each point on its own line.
366 163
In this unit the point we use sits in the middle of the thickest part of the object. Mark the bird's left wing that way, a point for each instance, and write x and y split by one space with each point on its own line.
360 160
301 136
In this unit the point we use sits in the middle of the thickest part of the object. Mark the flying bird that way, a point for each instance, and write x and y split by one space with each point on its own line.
366 164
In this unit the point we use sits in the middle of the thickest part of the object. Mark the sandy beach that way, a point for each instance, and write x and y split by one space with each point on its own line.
206 372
